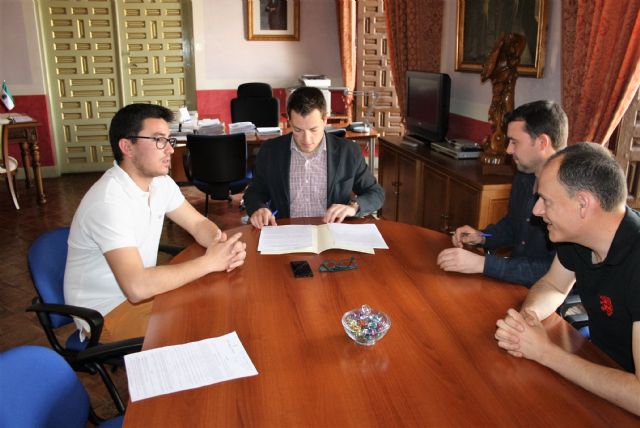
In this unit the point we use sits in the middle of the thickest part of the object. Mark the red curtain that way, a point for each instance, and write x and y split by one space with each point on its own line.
414 31
600 65
346 12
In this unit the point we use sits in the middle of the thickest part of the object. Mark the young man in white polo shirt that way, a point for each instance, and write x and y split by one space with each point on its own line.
115 233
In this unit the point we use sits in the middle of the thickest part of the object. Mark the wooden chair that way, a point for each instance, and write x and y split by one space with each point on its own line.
8 164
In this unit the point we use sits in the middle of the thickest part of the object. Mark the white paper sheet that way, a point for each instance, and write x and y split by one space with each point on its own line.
357 235
316 239
191 365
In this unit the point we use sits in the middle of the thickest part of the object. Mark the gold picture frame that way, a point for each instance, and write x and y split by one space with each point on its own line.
273 20
478 28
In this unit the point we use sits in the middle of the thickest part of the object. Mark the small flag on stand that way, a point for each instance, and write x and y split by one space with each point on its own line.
7 99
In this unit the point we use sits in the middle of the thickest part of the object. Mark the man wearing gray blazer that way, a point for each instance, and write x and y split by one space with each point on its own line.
310 173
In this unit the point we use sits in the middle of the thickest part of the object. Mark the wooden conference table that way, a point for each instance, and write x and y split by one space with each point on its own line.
438 365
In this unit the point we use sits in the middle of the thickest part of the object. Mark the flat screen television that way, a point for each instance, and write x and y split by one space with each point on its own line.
427 102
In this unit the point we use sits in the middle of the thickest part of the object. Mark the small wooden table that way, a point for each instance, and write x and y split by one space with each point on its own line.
439 364
26 134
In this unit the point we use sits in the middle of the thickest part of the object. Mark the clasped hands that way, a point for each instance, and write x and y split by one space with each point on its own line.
226 254
458 259
336 213
522 334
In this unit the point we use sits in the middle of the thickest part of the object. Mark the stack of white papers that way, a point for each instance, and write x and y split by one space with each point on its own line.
177 368
316 239
210 127
268 130
242 127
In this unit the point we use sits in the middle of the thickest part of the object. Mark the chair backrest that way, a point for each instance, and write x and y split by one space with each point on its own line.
217 159
47 258
38 389
255 103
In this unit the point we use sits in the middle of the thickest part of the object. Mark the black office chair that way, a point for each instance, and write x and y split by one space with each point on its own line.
255 103
46 258
217 165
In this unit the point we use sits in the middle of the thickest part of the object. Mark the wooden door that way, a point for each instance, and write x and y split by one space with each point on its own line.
102 55
435 199
407 190
627 150
388 176
464 205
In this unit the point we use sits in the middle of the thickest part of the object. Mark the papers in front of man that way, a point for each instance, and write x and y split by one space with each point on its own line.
191 365
316 239
210 127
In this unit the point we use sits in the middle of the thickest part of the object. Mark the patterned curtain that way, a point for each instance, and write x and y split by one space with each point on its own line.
414 29
600 65
346 12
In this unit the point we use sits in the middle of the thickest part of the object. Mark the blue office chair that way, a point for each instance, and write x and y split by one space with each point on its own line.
39 389
217 165
47 258
255 103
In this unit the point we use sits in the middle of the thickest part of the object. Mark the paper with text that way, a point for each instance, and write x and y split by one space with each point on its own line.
316 239
191 365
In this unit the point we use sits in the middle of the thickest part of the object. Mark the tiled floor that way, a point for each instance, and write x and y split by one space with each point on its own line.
19 228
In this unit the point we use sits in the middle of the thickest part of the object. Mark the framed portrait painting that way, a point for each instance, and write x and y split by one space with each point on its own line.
480 23
273 19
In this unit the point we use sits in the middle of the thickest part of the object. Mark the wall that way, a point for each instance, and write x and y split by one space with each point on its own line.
470 98
22 68
225 58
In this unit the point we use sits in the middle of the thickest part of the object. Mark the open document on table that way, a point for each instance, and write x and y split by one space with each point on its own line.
191 365
316 239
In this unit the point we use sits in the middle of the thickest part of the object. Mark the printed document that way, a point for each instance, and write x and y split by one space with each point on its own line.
191 365
316 239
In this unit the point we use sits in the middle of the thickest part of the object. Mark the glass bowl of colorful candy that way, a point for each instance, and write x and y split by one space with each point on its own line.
365 325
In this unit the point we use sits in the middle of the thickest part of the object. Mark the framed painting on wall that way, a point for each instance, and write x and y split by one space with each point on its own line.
273 19
480 23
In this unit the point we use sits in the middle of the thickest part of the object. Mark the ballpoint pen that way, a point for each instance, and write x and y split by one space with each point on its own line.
484 235
274 213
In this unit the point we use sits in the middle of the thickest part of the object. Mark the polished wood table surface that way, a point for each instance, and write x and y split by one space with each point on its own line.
438 365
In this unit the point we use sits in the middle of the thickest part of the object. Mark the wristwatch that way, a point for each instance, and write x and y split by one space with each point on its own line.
354 203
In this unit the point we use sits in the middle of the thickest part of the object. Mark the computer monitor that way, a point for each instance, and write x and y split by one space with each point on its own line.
427 105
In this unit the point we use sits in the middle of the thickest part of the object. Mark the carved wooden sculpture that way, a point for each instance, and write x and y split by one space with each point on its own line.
501 66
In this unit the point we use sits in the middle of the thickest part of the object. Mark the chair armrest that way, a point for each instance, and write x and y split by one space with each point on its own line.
104 352
170 249
91 316
186 163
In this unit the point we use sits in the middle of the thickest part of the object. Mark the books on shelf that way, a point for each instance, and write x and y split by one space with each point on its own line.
316 239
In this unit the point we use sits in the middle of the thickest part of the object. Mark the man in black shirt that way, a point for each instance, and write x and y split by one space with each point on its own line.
582 194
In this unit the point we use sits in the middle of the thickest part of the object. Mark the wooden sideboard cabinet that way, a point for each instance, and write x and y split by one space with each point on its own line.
436 191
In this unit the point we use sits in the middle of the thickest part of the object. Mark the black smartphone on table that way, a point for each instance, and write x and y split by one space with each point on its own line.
301 269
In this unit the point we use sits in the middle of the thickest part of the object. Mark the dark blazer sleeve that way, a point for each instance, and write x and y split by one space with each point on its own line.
269 187
348 172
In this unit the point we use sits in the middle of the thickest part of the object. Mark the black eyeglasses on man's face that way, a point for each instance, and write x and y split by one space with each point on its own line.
161 142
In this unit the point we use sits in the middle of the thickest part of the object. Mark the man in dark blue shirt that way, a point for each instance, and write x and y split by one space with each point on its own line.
535 132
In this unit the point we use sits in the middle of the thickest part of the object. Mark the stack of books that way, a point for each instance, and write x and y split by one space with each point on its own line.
247 128
269 131
210 127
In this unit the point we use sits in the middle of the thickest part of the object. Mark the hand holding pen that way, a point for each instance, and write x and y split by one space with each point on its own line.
466 235
263 217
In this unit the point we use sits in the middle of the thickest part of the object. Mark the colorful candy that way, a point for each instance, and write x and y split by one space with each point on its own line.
365 326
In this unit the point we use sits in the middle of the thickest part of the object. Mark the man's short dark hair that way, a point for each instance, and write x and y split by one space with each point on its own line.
129 121
591 167
306 99
542 117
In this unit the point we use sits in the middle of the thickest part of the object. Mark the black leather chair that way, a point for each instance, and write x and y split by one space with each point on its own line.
217 165
255 103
